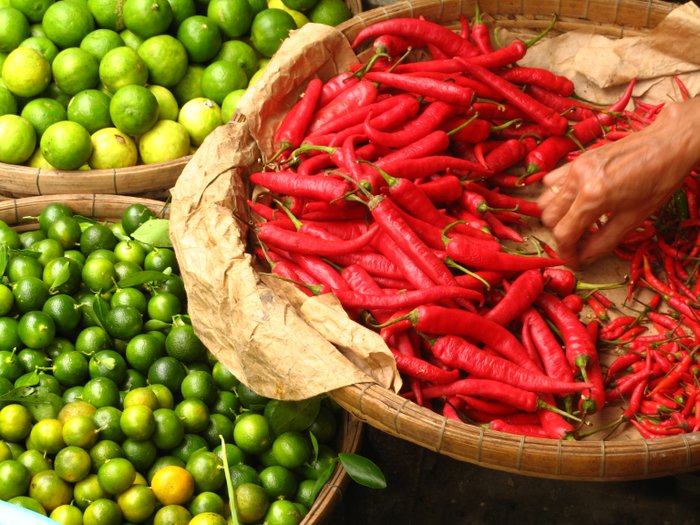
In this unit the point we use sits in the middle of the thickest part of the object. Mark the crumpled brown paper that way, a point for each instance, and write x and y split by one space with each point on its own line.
601 66
271 336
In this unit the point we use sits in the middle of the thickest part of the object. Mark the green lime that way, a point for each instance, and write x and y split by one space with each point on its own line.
75 70
36 329
199 385
168 108
230 104
67 22
240 53
243 473
97 236
257 5
194 414
283 512
8 102
147 18
172 515
14 28
190 87
25 72
169 430
116 475
42 112
43 45
330 12
122 66
34 460
72 463
233 17
166 59
108 363
17 139
252 502
100 41
168 371
90 109
300 5
133 216
201 37
64 311
112 148
221 78
33 10
67 515
66 145
207 502
252 433
100 392
183 344
269 28
134 109
207 470
108 14
16 478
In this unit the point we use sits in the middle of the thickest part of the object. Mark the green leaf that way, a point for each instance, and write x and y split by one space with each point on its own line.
155 232
39 400
62 275
362 470
100 310
155 325
314 445
144 277
85 222
292 415
49 407
324 477
28 379
4 257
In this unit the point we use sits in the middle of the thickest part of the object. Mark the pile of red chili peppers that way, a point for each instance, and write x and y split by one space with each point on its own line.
390 189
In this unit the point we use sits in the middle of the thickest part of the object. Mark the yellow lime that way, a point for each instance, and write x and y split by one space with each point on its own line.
17 139
220 78
167 140
112 148
134 109
33 9
67 22
190 86
75 70
100 41
167 103
269 28
232 16
43 45
66 145
240 53
147 18
299 18
166 59
107 13
14 27
200 116
201 37
37 160
330 12
90 109
230 104
8 102
121 67
26 72
42 112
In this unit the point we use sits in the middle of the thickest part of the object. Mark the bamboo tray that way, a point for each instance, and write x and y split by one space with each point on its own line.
15 212
590 460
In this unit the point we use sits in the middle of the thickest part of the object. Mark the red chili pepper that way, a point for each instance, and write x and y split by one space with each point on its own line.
573 302
447 92
565 106
429 120
497 199
529 345
444 189
392 45
335 86
549 349
506 155
463 251
621 363
420 167
423 370
520 295
536 431
358 115
458 353
671 379
322 188
635 401
598 309
444 39
540 77
292 129
528 105
485 405
360 94
481 34
493 390
553 423
405 299
299 242
324 272
431 144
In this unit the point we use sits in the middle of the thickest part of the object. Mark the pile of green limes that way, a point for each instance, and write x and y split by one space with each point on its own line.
114 83
111 408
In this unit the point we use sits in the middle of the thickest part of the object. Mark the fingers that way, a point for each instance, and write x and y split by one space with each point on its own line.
604 240
558 196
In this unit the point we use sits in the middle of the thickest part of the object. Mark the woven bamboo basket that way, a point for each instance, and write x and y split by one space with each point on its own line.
591 460
15 212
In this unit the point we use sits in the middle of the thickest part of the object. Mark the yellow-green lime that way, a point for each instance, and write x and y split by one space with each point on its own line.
166 140
190 87
43 45
66 145
107 13
165 58
134 109
67 22
67 515
8 102
53 91
42 112
240 53
17 139
14 27
168 108
330 12
121 67
131 39
230 104
37 30
269 28
26 72
37 160
147 18
75 70
201 37
90 109
200 116
33 9
112 148
220 78
256 76
232 16
181 9
100 41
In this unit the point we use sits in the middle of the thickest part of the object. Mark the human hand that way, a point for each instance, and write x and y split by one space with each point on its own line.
630 179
